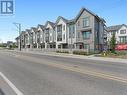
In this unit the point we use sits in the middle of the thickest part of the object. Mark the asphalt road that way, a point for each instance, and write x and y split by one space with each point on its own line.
35 74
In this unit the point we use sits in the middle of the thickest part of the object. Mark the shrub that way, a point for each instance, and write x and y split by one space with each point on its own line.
58 51
80 52
121 53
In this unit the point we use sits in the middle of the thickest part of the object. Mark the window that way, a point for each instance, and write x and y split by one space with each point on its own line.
122 31
123 39
86 22
71 31
59 38
26 38
47 35
86 35
38 37
59 33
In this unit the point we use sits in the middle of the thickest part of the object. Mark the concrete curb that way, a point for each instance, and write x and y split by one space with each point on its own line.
118 60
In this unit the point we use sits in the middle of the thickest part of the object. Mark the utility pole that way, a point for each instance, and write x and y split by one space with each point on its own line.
18 25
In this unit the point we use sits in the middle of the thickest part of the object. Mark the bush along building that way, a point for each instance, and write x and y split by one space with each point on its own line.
120 32
85 32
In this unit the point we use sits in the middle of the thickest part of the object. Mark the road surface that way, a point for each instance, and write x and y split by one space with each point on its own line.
34 74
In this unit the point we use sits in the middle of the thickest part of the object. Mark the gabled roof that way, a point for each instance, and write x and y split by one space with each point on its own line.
17 38
23 32
71 21
115 27
84 9
51 23
28 30
60 17
41 26
34 29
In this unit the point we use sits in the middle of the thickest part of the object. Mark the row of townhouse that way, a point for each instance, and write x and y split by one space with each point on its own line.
85 32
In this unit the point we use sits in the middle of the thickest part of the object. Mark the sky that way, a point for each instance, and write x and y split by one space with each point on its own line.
30 13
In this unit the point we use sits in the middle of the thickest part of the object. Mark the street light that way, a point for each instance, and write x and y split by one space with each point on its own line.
18 26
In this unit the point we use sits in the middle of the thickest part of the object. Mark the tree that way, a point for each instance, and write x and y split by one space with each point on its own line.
113 43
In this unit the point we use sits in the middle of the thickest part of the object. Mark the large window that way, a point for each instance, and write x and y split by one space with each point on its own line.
71 31
123 31
38 37
86 34
26 38
31 38
59 33
86 21
47 35
59 28
123 39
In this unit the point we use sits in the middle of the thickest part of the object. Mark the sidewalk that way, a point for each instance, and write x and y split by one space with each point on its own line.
91 57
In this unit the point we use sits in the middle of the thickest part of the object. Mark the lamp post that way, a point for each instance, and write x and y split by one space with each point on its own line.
18 25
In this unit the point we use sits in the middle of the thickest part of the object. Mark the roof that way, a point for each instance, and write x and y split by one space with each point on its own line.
115 27
60 17
71 21
84 9
41 26
17 38
51 23
34 29
28 30
22 32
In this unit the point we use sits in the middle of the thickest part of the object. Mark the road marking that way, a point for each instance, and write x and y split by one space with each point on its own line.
16 90
78 70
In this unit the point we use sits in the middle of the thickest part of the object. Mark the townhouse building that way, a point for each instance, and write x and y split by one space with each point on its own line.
40 36
49 35
61 33
27 38
85 32
120 32
71 34
33 37
89 31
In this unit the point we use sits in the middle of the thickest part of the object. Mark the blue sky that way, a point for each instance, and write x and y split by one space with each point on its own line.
33 12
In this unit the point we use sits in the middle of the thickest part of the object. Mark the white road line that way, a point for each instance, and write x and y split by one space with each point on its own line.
16 90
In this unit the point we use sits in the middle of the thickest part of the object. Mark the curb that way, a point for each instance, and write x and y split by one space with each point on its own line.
118 60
